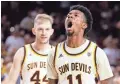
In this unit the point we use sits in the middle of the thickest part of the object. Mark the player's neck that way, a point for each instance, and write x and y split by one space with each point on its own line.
39 46
75 41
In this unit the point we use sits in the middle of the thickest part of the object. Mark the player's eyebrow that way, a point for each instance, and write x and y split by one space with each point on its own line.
76 12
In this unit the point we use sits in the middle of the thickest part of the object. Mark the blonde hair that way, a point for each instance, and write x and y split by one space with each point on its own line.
43 18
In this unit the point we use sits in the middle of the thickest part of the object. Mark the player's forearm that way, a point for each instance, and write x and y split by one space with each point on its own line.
8 81
52 81
13 76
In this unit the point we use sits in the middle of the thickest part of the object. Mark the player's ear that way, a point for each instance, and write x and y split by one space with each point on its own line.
84 25
33 31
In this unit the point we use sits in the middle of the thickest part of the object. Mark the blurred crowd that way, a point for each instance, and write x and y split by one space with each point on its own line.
17 20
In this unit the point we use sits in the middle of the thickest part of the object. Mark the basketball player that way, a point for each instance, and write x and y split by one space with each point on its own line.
78 60
31 59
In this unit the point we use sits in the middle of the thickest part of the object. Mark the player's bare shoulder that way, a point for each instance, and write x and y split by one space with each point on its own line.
19 55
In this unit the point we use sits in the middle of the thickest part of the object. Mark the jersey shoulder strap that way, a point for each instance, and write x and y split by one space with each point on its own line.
24 47
56 51
95 61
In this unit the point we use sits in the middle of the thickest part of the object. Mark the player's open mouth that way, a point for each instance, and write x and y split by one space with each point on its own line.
69 25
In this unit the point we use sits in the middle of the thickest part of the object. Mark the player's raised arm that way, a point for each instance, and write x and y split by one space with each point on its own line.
16 67
51 71
104 69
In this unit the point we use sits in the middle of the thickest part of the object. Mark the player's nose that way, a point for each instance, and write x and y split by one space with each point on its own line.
43 32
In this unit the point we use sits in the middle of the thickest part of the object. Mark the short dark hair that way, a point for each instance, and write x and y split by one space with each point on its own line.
87 14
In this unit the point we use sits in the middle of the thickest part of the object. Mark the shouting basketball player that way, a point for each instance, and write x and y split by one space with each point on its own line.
31 59
78 60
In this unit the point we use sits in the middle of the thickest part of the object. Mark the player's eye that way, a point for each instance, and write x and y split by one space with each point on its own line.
40 29
76 15
47 29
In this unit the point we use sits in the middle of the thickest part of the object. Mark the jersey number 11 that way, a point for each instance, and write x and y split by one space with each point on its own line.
78 77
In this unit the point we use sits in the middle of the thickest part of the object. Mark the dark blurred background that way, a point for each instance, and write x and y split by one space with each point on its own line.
17 20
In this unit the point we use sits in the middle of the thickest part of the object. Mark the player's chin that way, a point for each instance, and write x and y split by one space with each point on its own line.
70 33
44 41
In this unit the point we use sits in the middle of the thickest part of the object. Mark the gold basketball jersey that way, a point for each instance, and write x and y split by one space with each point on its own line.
79 68
34 66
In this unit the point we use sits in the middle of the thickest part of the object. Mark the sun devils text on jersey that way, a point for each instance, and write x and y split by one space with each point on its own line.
76 66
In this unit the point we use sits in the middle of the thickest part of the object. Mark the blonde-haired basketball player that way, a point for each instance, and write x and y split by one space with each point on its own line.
31 59
78 60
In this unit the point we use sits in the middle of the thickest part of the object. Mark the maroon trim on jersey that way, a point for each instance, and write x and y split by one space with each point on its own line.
95 57
23 62
76 53
55 53
37 52
96 78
